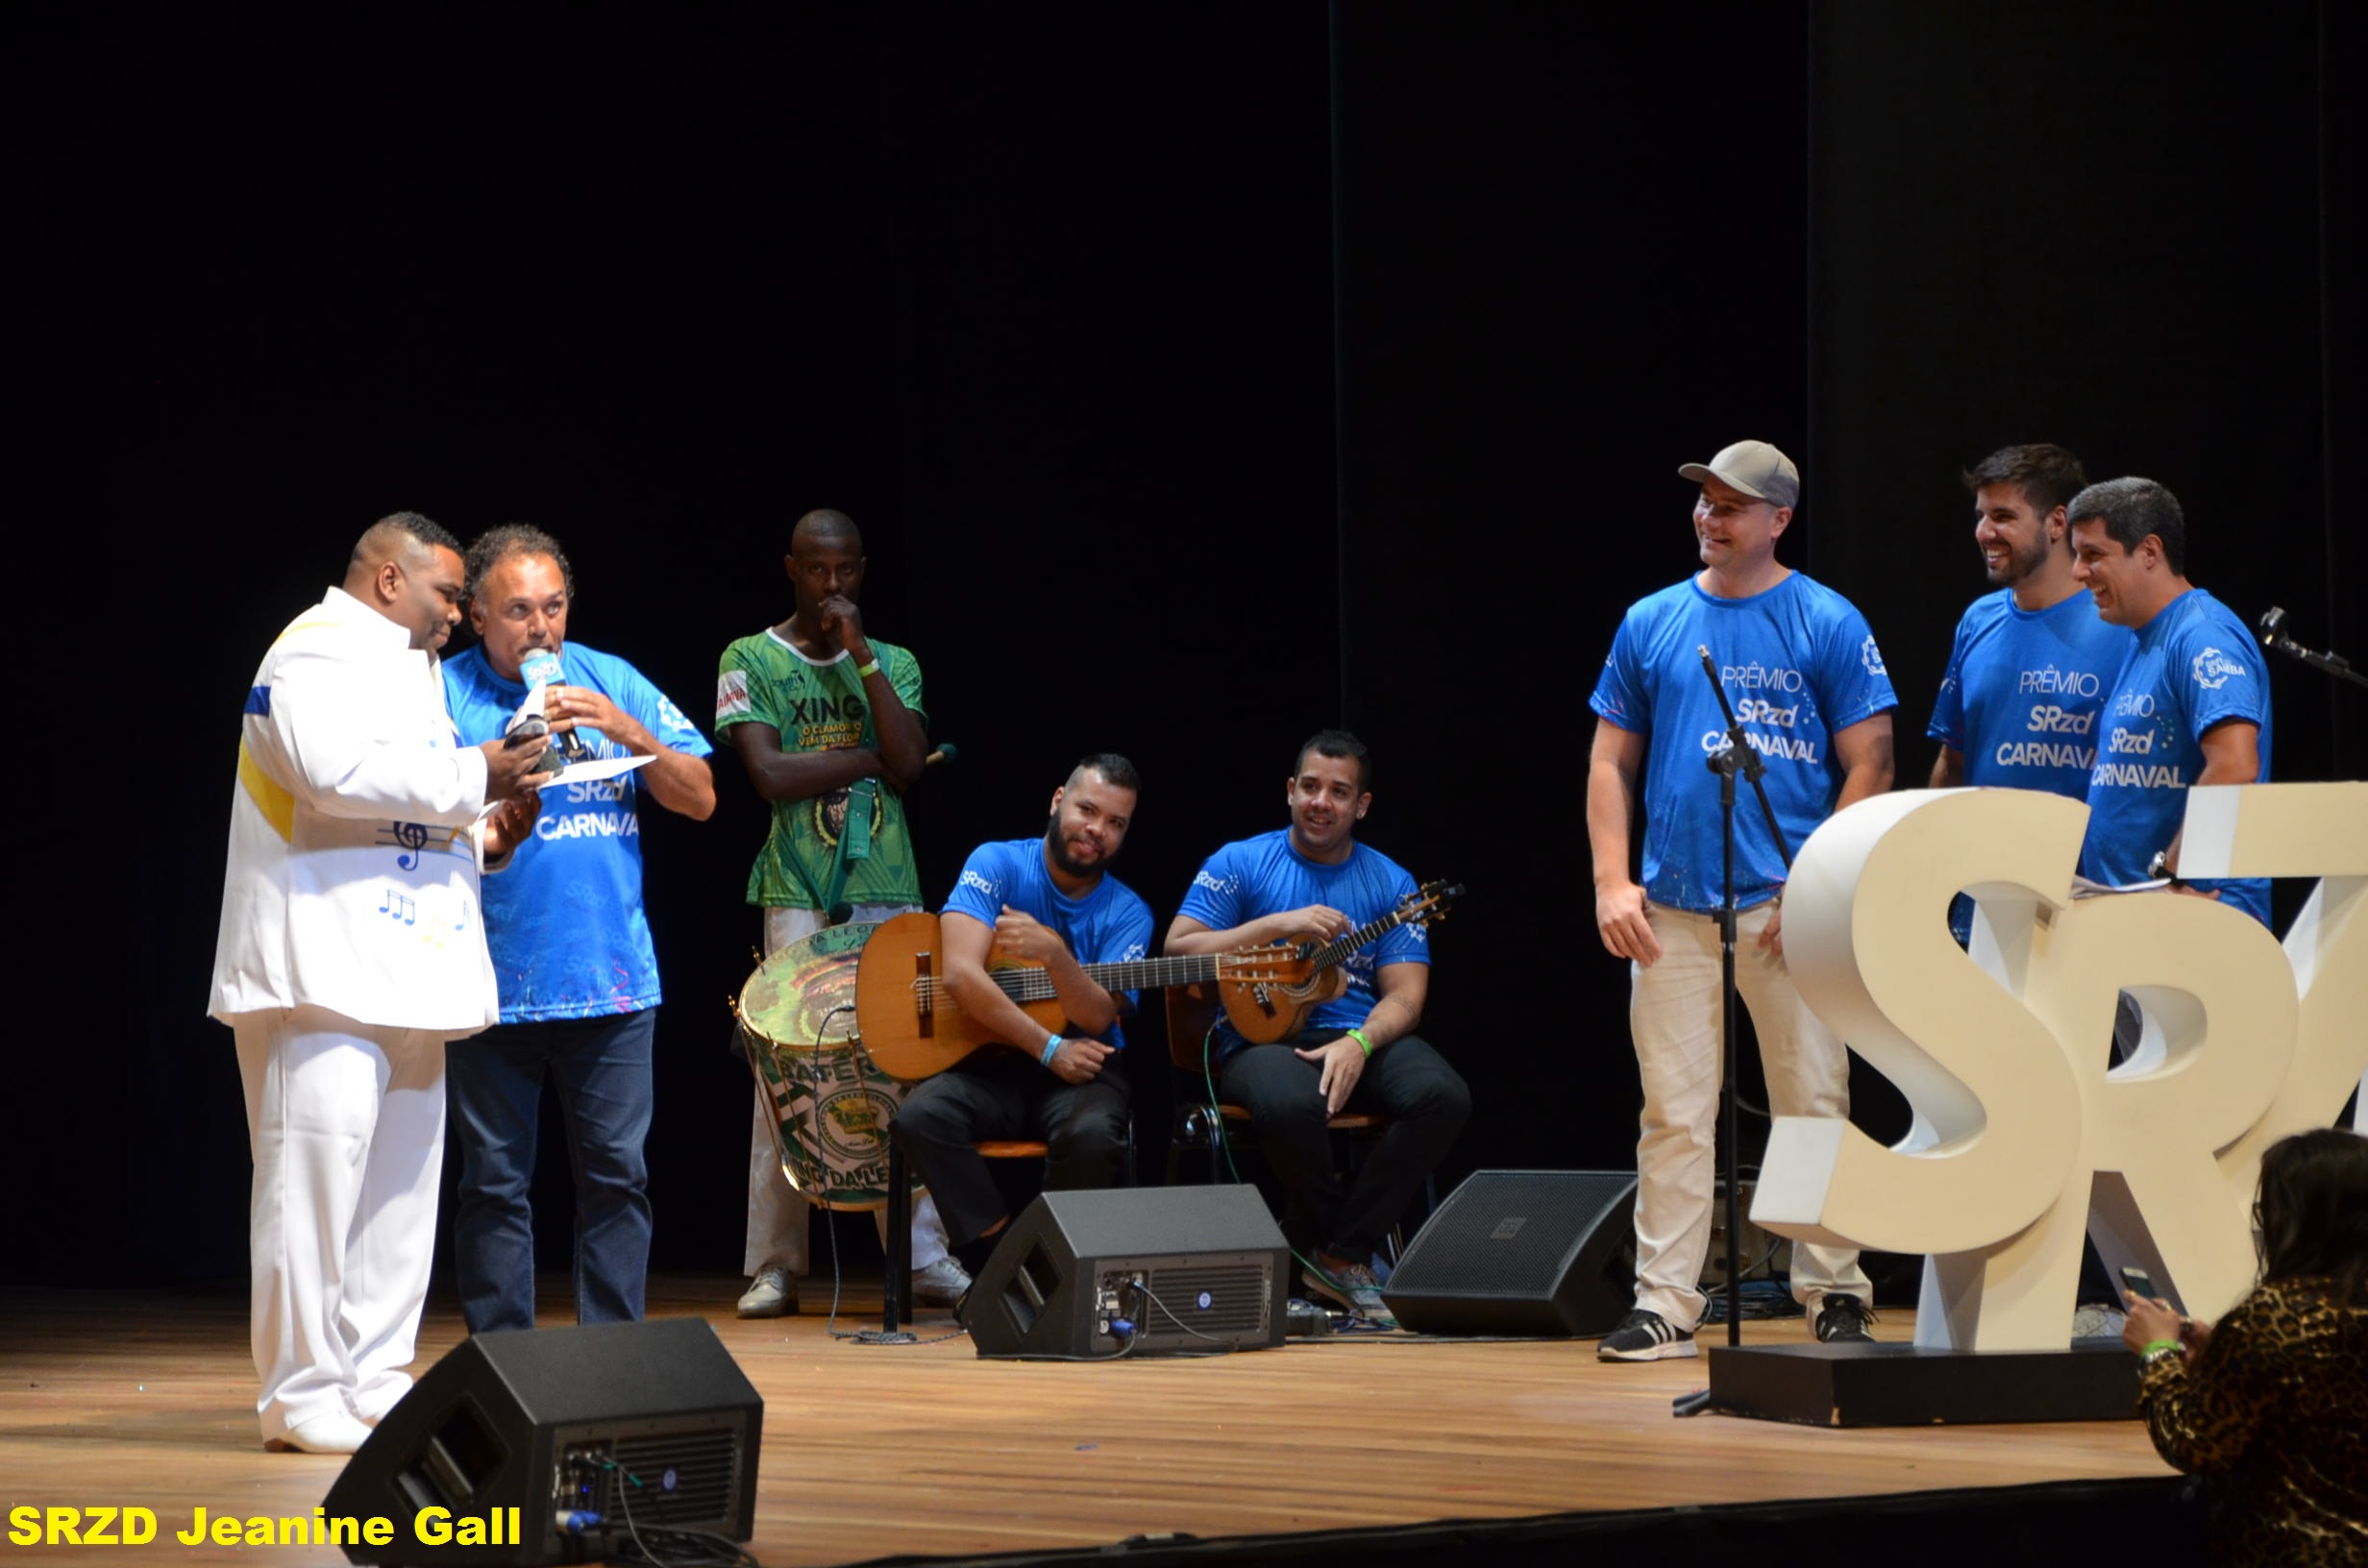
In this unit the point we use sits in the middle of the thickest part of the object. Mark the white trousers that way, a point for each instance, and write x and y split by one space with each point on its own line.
779 1215
1673 1012
345 1122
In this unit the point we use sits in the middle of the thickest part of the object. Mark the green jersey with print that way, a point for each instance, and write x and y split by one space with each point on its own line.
819 705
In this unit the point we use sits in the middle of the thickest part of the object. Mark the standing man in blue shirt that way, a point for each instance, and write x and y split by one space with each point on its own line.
2191 705
1311 883
1048 902
1808 685
2031 664
571 949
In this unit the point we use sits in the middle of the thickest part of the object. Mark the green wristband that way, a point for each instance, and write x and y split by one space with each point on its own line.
2155 1347
865 671
1358 1035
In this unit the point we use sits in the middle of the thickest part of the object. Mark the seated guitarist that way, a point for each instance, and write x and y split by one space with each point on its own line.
1309 884
1047 903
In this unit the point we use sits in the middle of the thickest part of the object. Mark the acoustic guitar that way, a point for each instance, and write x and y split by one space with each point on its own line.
912 1027
1264 1010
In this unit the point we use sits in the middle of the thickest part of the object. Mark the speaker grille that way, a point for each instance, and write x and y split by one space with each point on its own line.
1520 1252
1226 1301
1517 1234
679 1480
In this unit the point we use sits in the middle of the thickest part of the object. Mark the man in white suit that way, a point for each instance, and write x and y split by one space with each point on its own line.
350 951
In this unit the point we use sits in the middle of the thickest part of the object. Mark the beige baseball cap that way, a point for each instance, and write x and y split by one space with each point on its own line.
1756 468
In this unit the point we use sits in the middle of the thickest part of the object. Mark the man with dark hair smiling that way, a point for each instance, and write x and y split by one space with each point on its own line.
571 946
1048 902
1313 882
2191 704
2031 663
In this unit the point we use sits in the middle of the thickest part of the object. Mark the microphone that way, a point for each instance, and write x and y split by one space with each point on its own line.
2272 627
540 668
943 753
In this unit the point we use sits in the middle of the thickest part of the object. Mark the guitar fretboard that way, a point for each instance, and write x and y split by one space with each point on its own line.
1137 974
1340 947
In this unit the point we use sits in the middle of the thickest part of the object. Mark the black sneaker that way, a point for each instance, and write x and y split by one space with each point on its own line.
1644 1336
1843 1321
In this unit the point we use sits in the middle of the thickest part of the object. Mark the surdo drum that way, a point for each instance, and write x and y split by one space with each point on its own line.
831 1107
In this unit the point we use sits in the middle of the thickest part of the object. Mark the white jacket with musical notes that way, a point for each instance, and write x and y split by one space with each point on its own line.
354 857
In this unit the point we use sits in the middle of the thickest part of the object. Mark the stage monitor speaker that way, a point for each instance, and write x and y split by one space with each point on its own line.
1133 1271
1531 1254
538 1446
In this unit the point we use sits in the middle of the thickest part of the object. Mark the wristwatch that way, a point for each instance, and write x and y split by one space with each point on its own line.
2159 869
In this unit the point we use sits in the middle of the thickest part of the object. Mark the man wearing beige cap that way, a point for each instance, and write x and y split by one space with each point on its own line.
1808 684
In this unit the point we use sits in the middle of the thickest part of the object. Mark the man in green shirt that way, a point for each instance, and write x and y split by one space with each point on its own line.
829 725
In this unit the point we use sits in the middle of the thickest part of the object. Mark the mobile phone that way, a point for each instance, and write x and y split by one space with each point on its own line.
2139 1281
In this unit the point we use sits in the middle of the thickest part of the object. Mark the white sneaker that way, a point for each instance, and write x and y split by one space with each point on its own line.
332 1431
773 1293
943 1284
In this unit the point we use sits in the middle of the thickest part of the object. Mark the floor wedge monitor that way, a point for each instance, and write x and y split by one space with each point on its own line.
1133 1271
1531 1254
555 1445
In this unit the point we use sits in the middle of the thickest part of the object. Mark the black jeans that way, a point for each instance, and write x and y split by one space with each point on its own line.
1407 1081
1000 1094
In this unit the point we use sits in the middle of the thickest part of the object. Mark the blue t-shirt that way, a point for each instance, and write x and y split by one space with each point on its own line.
564 922
2194 666
1254 877
2023 690
2021 697
1798 662
1108 926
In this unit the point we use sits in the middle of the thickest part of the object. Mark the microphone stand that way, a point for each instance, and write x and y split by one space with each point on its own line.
2273 638
1738 758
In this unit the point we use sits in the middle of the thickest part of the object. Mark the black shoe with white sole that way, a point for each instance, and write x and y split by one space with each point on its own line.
1841 1320
1644 1336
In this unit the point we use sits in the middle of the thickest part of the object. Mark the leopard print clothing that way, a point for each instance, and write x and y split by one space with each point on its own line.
2273 1413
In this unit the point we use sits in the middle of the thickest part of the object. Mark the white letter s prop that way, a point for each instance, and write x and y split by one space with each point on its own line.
2003 1052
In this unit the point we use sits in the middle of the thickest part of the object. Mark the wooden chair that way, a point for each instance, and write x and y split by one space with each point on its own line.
1192 1011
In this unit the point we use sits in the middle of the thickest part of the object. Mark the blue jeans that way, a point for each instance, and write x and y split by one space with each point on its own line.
601 1068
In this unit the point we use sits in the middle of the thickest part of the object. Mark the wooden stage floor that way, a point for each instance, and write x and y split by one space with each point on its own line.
145 1398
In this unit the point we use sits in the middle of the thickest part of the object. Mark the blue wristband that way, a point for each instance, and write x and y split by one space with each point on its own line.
1051 1045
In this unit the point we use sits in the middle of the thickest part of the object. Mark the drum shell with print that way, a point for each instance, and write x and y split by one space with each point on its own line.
832 1106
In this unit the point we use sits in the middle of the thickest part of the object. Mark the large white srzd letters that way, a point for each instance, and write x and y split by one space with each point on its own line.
2003 1051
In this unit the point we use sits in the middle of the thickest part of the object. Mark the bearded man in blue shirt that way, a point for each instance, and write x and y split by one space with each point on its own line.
1811 690
2031 664
1050 903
